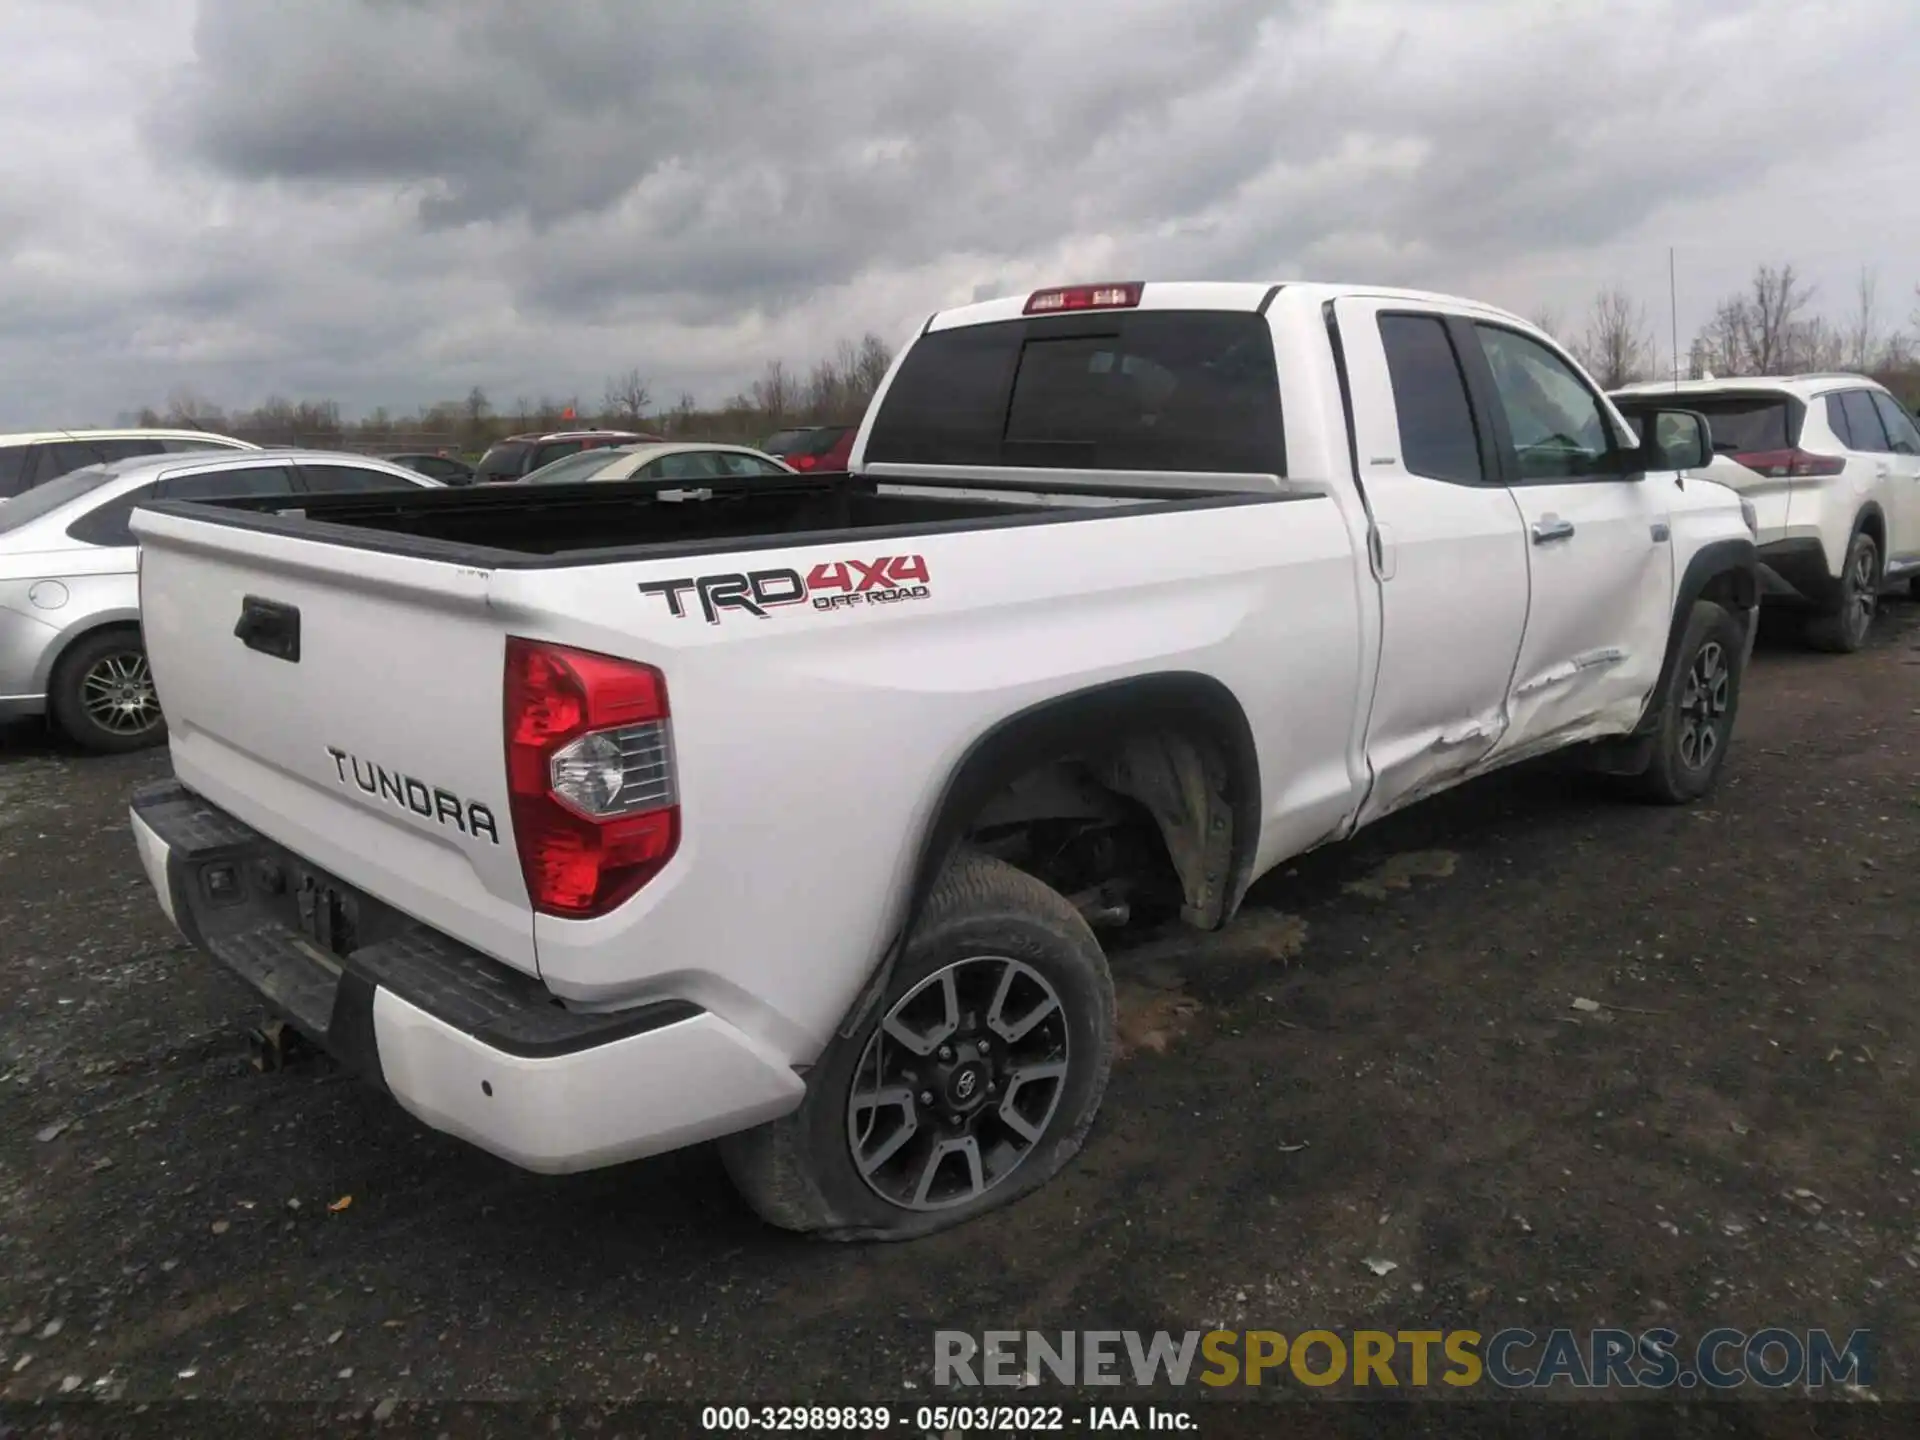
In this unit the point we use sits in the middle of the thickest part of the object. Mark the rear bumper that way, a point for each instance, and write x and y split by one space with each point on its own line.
1796 572
468 1045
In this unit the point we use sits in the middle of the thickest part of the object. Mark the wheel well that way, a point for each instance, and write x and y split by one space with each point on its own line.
1163 764
1872 522
79 638
1734 590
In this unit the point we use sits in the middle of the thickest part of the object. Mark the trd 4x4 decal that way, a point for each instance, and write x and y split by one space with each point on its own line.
831 585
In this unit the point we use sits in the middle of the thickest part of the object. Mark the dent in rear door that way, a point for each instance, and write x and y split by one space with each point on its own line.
1454 594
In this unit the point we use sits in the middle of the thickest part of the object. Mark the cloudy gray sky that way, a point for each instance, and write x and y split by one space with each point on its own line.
388 201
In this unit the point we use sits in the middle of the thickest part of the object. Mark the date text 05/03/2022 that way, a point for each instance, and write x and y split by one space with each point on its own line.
945 1419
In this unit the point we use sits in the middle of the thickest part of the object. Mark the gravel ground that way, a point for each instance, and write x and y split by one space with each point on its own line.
1381 1060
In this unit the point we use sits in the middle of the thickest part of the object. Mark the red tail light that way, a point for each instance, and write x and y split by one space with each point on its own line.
802 462
1794 464
590 776
1084 297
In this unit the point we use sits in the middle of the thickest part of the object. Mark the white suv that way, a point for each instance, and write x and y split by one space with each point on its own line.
35 457
1832 468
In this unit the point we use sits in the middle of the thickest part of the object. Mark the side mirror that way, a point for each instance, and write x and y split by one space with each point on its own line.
1673 439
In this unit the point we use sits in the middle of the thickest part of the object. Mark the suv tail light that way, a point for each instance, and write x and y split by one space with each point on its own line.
1794 464
590 776
1084 297
802 462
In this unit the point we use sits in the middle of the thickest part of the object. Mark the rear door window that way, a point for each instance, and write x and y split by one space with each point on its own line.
1746 424
1154 390
45 499
691 465
502 462
54 460
1901 431
737 464
229 484
1837 420
555 450
1437 434
346 479
1864 429
13 465
126 448
107 524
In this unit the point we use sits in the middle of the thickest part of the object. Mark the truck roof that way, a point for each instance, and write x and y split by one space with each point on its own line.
1223 295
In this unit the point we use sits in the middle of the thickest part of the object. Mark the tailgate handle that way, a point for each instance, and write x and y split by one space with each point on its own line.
269 627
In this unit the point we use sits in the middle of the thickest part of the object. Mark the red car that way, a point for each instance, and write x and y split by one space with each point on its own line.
814 447
517 455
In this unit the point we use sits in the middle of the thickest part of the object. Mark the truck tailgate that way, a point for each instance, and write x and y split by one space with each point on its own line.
354 714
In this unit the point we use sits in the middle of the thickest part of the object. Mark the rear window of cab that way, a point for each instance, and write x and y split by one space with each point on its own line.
1133 390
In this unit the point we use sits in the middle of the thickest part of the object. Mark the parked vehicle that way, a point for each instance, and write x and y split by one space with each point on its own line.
637 814
70 643
520 455
671 461
447 469
27 460
814 447
1832 465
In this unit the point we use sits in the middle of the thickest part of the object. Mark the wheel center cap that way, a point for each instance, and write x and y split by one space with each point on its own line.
967 1085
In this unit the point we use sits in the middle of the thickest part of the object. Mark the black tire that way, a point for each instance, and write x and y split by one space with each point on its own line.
98 668
1701 703
799 1171
1843 629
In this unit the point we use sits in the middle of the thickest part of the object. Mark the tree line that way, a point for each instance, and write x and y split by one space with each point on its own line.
1771 327
833 390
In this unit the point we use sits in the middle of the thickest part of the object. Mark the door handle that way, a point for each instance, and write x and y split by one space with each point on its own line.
1551 528
269 626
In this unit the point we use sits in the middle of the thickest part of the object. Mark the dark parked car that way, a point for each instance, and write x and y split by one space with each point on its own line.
447 469
518 455
814 447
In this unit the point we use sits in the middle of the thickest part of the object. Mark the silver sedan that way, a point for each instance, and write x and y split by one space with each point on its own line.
664 461
70 644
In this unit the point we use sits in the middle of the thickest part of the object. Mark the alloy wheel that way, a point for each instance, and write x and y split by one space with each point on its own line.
117 694
1861 595
1703 706
958 1083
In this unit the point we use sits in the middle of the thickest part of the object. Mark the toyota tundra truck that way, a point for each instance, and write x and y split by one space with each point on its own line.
600 819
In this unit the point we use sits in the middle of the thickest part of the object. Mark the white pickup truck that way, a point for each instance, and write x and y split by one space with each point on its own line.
602 819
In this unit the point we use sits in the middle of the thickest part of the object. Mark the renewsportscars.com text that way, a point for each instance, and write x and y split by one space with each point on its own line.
1772 1357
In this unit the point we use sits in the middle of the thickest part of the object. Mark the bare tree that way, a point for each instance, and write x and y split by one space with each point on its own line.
478 408
1617 348
679 420
775 394
870 366
188 409
1814 345
1769 317
627 398
1863 333
1719 347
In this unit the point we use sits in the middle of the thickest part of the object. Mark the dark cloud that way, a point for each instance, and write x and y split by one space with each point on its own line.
390 200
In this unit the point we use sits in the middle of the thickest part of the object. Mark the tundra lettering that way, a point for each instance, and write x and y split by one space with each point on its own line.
469 817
